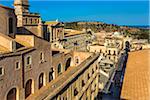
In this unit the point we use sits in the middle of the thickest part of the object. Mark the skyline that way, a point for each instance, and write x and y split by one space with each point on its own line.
112 12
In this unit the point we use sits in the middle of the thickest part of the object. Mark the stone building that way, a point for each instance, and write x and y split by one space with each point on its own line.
76 40
31 70
56 30
44 61
113 45
76 77
25 62
8 21
27 22
100 36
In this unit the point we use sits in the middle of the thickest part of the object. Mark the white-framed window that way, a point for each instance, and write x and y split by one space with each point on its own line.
17 65
1 71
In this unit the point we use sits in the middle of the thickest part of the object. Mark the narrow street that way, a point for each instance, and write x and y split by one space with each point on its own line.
116 80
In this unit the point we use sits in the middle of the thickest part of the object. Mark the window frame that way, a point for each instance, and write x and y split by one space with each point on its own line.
42 57
2 71
19 65
30 61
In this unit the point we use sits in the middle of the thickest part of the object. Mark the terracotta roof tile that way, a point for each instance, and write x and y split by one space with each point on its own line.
136 84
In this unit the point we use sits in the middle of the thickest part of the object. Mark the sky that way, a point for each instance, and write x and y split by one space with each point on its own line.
120 12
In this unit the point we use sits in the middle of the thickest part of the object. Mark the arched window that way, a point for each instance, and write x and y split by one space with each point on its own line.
114 52
59 69
28 60
10 25
41 80
12 94
68 63
28 88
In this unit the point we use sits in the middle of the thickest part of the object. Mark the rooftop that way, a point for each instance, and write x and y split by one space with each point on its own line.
136 84
70 32
51 22
5 7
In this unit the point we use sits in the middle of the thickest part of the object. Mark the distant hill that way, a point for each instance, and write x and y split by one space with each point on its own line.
140 26
141 32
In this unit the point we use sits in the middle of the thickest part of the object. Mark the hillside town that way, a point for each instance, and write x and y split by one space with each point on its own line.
45 60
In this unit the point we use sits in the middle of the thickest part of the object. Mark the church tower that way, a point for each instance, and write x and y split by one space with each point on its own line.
28 22
21 7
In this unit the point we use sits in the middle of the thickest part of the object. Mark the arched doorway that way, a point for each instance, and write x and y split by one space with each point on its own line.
68 63
41 80
28 88
12 94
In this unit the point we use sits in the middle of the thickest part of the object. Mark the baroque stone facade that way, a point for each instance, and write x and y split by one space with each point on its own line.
30 69
43 61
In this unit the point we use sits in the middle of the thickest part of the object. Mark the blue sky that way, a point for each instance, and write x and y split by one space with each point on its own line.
119 12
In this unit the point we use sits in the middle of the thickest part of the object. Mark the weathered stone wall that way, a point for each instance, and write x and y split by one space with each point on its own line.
5 14
12 77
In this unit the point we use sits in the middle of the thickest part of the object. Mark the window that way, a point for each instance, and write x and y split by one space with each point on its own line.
10 25
92 71
77 60
26 20
75 91
31 20
83 83
88 76
59 69
28 60
41 80
103 54
50 76
96 67
17 65
100 51
12 94
28 88
68 62
1 71
35 20
109 52
114 52
42 56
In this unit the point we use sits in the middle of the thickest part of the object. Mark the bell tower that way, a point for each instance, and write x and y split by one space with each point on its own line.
21 7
